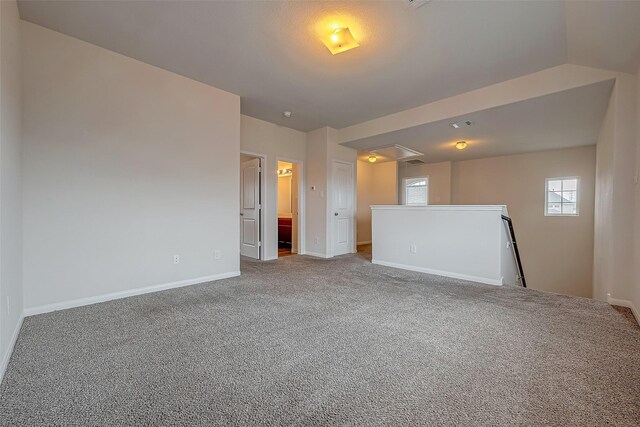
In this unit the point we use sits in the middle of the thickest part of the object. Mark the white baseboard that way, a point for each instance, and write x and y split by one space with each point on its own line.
123 294
366 242
478 279
625 303
317 254
12 343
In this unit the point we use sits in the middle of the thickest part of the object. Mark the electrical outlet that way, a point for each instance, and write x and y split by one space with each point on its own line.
217 254
413 249
176 259
315 240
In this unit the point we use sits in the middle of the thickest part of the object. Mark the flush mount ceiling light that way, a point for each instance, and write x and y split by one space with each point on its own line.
287 114
372 158
340 40
461 145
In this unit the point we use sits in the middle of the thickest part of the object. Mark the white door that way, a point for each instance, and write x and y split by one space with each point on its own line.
250 208
343 211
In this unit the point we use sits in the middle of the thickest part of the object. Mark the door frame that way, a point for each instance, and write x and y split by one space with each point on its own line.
263 198
302 246
330 210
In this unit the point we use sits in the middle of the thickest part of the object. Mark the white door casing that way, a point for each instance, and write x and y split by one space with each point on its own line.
250 208
295 202
342 208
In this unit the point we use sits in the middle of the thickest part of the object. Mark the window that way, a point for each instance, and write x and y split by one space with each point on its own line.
416 191
561 196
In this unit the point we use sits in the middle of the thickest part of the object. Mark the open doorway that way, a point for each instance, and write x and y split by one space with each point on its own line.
251 217
288 208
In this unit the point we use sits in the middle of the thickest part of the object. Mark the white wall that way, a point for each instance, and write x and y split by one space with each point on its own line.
439 179
603 245
636 274
125 165
364 174
616 167
316 189
284 195
376 185
556 252
562 266
11 298
465 242
274 142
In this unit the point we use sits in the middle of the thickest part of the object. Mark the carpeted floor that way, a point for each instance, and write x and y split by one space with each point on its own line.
310 342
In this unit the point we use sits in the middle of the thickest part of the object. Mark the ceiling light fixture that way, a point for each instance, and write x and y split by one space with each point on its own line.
287 114
461 145
372 158
340 40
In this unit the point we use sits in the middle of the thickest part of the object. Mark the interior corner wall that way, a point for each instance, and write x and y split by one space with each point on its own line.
636 274
439 180
11 291
376 185
274 142
616 167
316 190
125 165
603 248
557 252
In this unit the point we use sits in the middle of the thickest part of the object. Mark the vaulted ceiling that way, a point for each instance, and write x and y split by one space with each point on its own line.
270 53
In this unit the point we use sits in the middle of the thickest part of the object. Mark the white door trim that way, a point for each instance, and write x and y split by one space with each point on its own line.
330 210
263 196
302 241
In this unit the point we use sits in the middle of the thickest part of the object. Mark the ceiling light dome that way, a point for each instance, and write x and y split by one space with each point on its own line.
461 145
340 40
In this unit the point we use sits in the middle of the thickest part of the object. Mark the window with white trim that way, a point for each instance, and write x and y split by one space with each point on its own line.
561 196
416 191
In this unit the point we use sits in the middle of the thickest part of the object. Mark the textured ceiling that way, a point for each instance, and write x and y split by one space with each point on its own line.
570 118
269 52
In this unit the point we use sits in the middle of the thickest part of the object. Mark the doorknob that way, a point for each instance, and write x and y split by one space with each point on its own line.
335 214
241 214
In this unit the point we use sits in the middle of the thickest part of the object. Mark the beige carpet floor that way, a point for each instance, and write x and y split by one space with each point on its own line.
312 342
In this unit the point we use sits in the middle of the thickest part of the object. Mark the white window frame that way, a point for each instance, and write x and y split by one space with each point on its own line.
404 190
546 196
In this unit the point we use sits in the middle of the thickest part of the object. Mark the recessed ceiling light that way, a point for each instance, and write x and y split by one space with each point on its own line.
455 125
287 114
461 145
340 40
